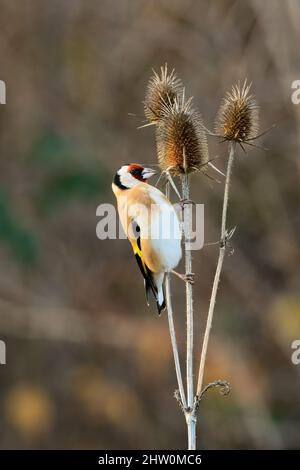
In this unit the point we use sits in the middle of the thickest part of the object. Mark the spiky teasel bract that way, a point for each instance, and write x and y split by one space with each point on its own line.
161 89
237 118
181 140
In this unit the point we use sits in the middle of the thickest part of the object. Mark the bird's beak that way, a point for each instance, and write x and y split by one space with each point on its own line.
148 172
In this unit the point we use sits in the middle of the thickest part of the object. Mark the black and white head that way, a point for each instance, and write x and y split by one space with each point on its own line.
131 174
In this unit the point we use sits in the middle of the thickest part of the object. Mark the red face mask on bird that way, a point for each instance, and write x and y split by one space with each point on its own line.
130 175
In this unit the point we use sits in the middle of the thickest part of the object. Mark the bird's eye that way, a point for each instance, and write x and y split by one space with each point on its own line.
137 171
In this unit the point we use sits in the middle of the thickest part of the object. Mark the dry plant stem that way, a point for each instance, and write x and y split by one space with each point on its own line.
174 342
218 270
172 330
187 217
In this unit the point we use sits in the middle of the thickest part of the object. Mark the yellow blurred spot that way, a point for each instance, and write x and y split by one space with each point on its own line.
102 399
29 409
284 316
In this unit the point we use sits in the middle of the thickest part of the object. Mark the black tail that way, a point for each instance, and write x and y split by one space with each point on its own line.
161 307
150 287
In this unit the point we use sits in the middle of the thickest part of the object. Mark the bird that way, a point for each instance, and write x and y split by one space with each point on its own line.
151 225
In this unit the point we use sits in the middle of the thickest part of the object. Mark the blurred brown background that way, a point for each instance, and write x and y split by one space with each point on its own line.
88 365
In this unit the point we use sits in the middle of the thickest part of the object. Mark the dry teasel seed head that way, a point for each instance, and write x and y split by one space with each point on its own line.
161 89
181 139
237 118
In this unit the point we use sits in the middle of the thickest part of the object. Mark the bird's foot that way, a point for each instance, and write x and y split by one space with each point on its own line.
189 277
185 202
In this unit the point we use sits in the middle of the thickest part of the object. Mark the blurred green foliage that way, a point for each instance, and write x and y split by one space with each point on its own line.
72 183
67 177
51 149
20 240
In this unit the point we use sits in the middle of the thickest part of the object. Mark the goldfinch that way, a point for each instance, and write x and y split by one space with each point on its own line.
151 225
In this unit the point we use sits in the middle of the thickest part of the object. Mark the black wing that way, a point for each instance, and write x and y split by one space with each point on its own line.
146 272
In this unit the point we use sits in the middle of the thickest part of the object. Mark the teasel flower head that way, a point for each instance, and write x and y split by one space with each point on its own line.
161 89
180 137
237 119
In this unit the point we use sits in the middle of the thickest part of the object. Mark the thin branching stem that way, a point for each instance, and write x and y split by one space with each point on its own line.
223 240
174 342
187 217
172 330
189 292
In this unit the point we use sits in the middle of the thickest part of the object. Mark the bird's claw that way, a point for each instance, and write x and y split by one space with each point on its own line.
184 202
189 277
